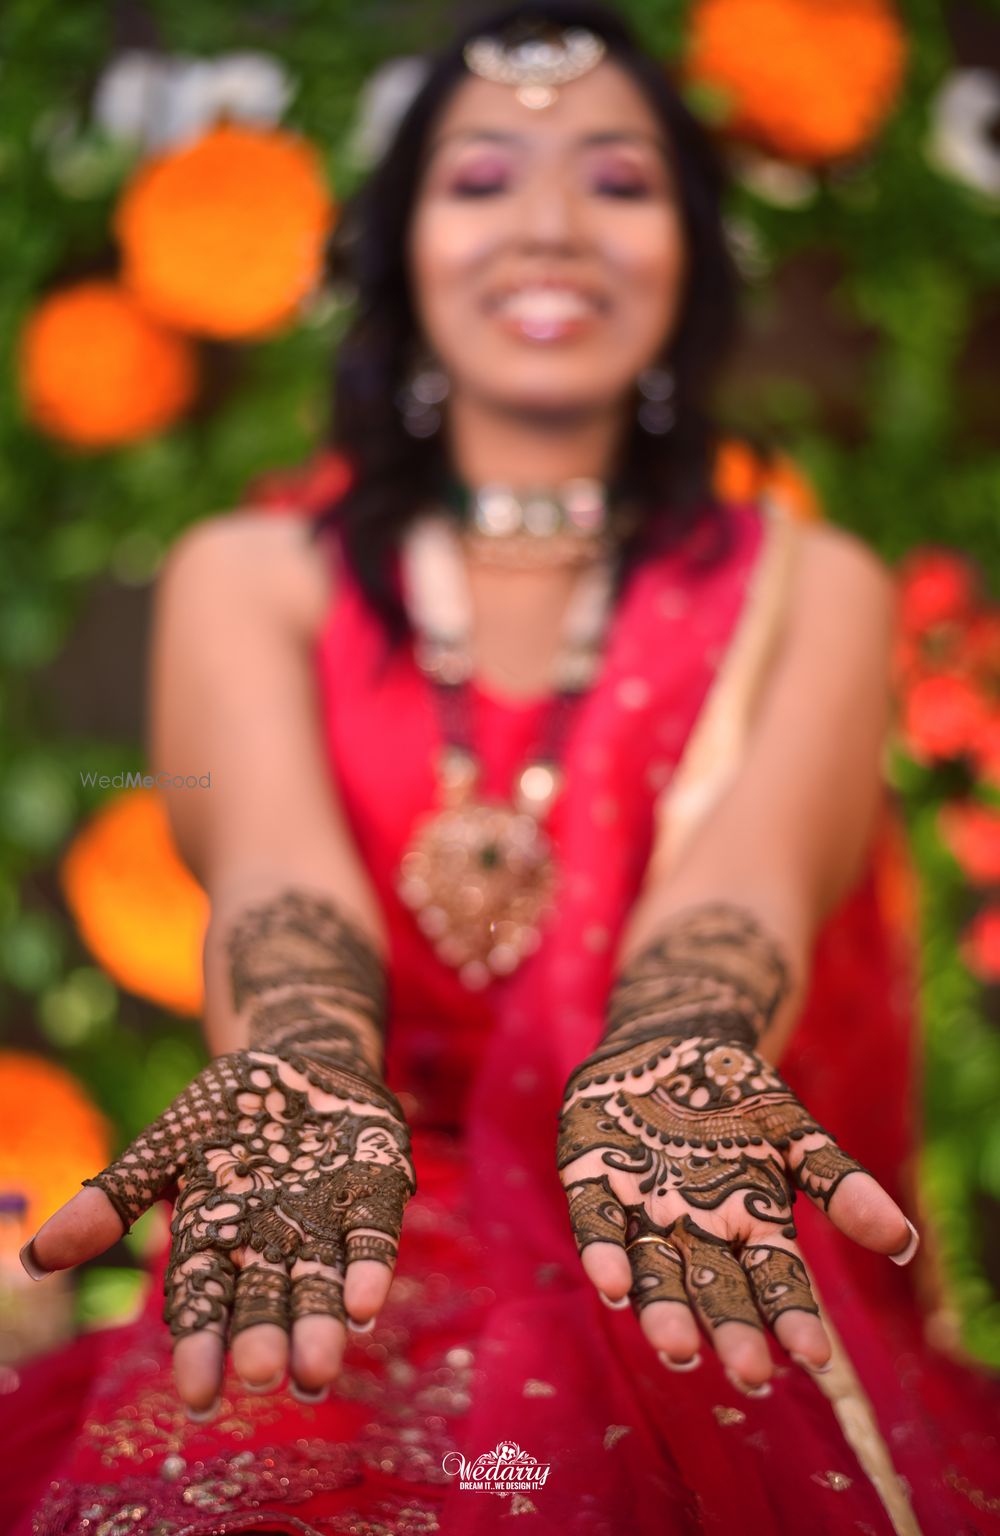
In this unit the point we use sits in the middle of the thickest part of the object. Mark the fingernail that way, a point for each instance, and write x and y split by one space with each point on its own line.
906 1254
615 1306
304 1396
361 1327
764 1390
807 1365
263 1386
679 1365
202 1415
29 1262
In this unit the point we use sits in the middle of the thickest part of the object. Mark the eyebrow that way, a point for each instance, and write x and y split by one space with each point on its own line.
606 136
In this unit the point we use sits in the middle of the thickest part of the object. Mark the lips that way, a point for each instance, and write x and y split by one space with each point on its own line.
545 311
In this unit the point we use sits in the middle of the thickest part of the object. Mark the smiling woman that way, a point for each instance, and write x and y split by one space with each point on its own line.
562 972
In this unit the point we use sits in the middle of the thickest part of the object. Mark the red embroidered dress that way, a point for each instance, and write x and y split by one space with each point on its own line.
493 1341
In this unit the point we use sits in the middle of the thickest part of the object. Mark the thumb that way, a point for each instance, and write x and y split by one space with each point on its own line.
85 1226
105 1209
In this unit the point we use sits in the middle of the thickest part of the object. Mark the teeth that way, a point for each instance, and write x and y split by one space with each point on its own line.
544 305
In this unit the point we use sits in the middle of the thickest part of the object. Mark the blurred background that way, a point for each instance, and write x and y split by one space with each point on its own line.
170 174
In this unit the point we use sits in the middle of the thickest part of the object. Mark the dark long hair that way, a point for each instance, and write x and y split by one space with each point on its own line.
395 474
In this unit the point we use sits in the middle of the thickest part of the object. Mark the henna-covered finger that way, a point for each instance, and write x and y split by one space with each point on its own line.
258 1332
721 1297
318 1324
370 1198
660 1297
780 1285
598 1222
852 1198
198 1294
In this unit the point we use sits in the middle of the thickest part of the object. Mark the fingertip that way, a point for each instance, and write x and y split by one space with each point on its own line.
30 1264
907 1252
863 1210
607 1265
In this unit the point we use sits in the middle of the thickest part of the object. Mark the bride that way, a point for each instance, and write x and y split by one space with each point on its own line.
553 1154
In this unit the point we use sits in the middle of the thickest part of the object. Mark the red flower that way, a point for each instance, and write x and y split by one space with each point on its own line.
306 488
972 832
942 717
937 587
981 944
986 747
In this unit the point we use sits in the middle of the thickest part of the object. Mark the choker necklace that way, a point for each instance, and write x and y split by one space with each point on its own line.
569 524
477 874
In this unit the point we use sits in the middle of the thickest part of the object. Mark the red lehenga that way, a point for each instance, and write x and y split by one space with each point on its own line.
492 1335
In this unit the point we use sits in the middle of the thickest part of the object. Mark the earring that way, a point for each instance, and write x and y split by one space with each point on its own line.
656 414
420 399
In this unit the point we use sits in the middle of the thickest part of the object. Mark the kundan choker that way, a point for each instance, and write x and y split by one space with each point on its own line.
479 874
570 524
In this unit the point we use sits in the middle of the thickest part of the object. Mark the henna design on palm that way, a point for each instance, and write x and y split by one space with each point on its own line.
292 1166
677 1132
292 1152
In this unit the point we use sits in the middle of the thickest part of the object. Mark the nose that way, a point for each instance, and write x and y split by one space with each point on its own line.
549 215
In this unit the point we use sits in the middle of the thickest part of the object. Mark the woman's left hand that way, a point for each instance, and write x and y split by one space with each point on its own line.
697 1147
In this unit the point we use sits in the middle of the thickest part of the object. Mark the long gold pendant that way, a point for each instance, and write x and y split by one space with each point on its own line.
479 875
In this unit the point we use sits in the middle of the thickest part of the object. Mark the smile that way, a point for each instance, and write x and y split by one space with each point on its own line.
545 312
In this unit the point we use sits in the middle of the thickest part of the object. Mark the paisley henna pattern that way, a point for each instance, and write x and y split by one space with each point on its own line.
293 1149
778 1280
675 1127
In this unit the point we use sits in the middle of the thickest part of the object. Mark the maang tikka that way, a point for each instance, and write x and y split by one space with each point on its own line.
535 61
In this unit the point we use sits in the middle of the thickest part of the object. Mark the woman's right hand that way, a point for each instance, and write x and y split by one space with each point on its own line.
291 1177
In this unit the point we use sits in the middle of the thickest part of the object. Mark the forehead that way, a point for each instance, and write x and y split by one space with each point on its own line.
606 100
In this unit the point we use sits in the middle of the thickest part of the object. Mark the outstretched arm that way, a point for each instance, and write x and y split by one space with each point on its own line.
290 1155
680 1145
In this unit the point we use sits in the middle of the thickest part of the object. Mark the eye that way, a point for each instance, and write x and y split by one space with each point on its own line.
477 188
613 187
480 178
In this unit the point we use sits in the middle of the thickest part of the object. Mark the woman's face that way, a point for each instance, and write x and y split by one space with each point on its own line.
547 252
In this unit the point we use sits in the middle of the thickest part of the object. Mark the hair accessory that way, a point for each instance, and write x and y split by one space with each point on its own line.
535 63
479 874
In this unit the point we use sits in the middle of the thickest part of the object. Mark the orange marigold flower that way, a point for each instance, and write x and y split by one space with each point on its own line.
138 910
97 371
53 1136
225 236
741 474
811 80
972 832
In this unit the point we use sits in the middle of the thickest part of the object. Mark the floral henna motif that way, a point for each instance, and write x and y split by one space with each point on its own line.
675 1117
293 1149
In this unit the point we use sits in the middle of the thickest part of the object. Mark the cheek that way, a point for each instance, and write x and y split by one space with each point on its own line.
647 255
447 249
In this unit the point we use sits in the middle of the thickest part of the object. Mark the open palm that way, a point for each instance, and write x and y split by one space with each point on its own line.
681 1157
286 1175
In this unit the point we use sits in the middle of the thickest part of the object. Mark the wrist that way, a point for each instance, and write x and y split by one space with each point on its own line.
713 971
312 984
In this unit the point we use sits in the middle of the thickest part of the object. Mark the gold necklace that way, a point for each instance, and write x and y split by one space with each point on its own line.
479 874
